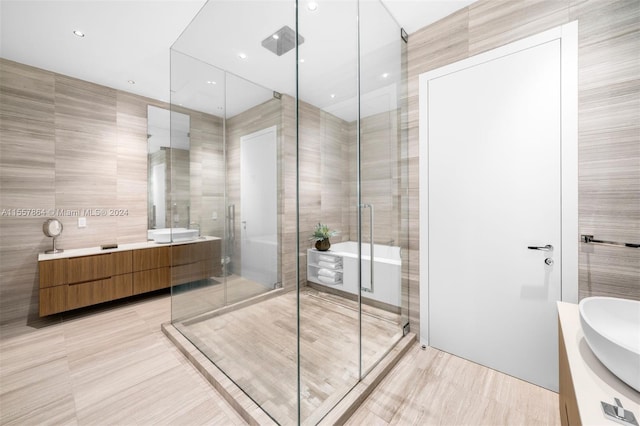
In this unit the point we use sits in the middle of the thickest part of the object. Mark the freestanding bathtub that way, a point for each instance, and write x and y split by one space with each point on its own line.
387 267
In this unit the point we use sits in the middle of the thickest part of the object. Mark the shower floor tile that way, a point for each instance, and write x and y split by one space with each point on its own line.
256 346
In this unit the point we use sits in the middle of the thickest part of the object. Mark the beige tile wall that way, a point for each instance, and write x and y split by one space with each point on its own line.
609 124
287 220
178 205
73 145
324 164
66 144
207 174
379 176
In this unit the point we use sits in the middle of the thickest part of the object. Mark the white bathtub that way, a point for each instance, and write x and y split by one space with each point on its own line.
387 271
259 255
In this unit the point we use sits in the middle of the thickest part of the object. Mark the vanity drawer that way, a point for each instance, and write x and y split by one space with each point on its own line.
152 279
52 272
93 292
89 268
122 262
53 300
152 258
184 253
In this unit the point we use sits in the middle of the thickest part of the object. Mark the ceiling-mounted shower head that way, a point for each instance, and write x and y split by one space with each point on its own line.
282 41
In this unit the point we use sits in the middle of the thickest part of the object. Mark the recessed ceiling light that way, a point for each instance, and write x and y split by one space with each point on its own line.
242 55
312 6
131 81
275 36
333 95
211 82
78 33
385 75
301 61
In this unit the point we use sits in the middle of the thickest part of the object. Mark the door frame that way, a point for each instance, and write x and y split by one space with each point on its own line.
568 36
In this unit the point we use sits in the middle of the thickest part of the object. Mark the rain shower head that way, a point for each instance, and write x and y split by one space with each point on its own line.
282 41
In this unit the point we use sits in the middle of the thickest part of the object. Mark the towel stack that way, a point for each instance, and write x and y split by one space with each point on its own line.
333 262
329 266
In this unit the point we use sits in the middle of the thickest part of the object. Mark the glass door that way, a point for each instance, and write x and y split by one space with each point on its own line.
329 311
381 180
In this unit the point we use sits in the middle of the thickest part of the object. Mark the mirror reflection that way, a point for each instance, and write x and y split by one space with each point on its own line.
168 168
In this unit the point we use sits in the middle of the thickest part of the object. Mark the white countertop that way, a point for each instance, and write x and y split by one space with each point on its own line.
592 381
89 251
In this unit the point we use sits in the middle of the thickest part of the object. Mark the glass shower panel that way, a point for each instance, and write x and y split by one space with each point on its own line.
281 140
197 187
246 52
253 127
329 311
381 77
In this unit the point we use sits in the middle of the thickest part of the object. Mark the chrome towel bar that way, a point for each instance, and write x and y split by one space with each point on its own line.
590 240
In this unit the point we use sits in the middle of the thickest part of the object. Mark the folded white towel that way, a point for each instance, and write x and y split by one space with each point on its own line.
328 280
328 273
332 259
330 265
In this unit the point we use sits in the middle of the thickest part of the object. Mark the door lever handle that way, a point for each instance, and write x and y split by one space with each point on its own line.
548 247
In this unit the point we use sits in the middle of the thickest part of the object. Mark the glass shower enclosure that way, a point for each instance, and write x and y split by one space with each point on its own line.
297 117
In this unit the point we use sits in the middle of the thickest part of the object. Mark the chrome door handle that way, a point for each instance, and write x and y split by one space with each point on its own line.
370 206
548 247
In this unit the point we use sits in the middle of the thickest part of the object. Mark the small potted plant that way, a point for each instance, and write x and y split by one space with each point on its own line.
321 235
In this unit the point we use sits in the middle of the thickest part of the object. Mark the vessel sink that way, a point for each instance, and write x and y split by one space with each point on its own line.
611 327
168 235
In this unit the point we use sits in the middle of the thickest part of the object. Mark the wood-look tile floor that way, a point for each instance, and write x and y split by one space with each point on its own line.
431 387
260 341
108 365
112 365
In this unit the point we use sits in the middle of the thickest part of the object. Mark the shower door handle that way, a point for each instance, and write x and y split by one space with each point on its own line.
231 221
370 206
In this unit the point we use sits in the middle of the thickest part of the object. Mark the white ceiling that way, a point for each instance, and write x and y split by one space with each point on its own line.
130 40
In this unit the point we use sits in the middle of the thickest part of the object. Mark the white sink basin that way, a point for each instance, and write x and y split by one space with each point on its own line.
168 235
611 328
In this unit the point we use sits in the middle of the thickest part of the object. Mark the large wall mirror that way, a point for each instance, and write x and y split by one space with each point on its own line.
168 163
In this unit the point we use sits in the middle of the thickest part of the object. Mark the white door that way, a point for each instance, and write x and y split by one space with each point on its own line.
494 194
259 206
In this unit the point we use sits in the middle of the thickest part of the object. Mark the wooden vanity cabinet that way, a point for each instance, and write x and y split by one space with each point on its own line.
75 282
78 281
